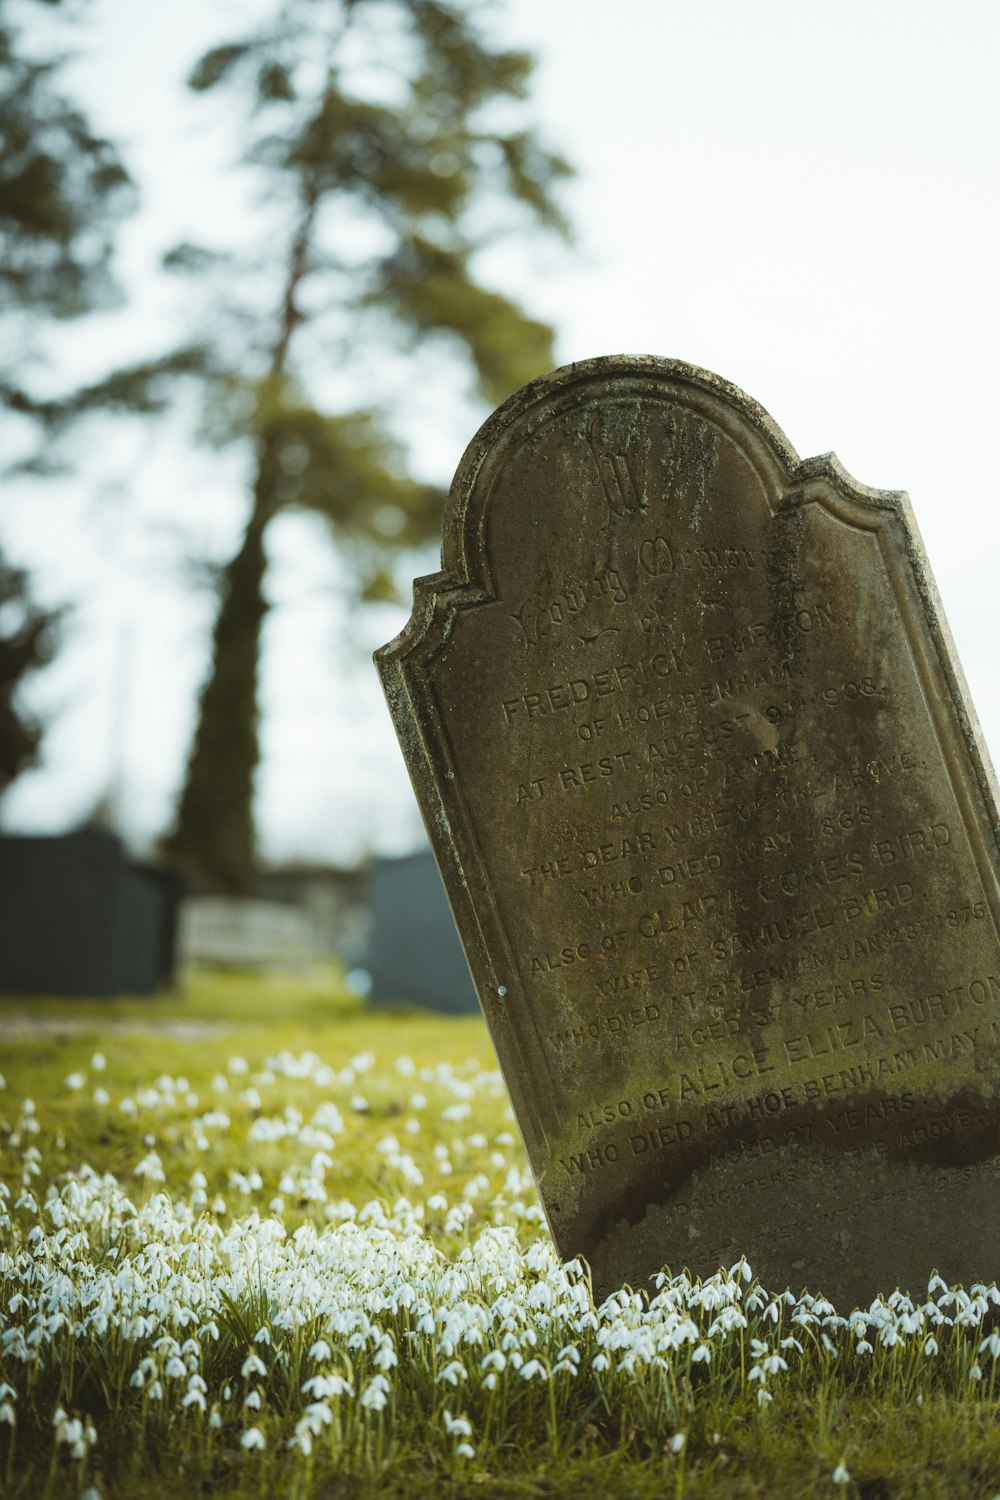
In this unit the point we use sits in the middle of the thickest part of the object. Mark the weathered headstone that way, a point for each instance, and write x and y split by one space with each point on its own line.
706 789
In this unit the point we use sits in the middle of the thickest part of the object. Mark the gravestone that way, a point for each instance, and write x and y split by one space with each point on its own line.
706 789
78 917
414 955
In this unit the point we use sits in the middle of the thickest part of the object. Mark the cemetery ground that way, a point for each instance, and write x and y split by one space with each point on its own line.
256 1240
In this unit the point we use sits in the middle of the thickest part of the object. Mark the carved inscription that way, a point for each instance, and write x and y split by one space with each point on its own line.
704 754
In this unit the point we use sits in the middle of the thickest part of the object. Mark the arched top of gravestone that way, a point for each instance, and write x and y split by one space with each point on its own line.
608 400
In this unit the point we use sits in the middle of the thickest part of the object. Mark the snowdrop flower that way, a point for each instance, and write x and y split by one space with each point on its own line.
75 1081
465 1450
151 1167
456 1426
677 1442
252 1439
453 1373
253 1400
253 1365
841 1474
375 1393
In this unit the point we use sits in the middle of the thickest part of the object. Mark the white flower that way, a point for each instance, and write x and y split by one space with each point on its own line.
841 1474
253 1365
456 1426
75 1081
375 1393
252 1438
464 1450
677 1442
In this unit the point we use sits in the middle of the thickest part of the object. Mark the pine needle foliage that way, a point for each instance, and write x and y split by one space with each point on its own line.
390 141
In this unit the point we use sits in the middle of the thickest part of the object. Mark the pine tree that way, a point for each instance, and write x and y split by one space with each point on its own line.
390 135
28 637
62 190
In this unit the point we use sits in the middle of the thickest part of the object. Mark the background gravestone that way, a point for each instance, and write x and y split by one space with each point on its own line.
413 951
705 787
77 917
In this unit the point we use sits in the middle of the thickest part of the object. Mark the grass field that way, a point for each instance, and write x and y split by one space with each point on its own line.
256 1240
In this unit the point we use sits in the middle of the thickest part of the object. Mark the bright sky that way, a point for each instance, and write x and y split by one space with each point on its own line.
797 195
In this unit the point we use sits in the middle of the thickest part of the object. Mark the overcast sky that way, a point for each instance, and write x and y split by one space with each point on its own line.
797 195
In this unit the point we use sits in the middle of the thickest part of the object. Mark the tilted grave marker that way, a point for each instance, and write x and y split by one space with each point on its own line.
705 786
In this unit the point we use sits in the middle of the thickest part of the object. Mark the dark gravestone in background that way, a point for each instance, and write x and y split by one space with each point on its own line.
77 917
414 953
699 769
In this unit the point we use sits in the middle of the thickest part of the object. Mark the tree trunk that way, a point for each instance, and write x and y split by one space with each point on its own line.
213 841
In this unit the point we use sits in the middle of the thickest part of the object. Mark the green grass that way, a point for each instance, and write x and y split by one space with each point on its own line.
267 1185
